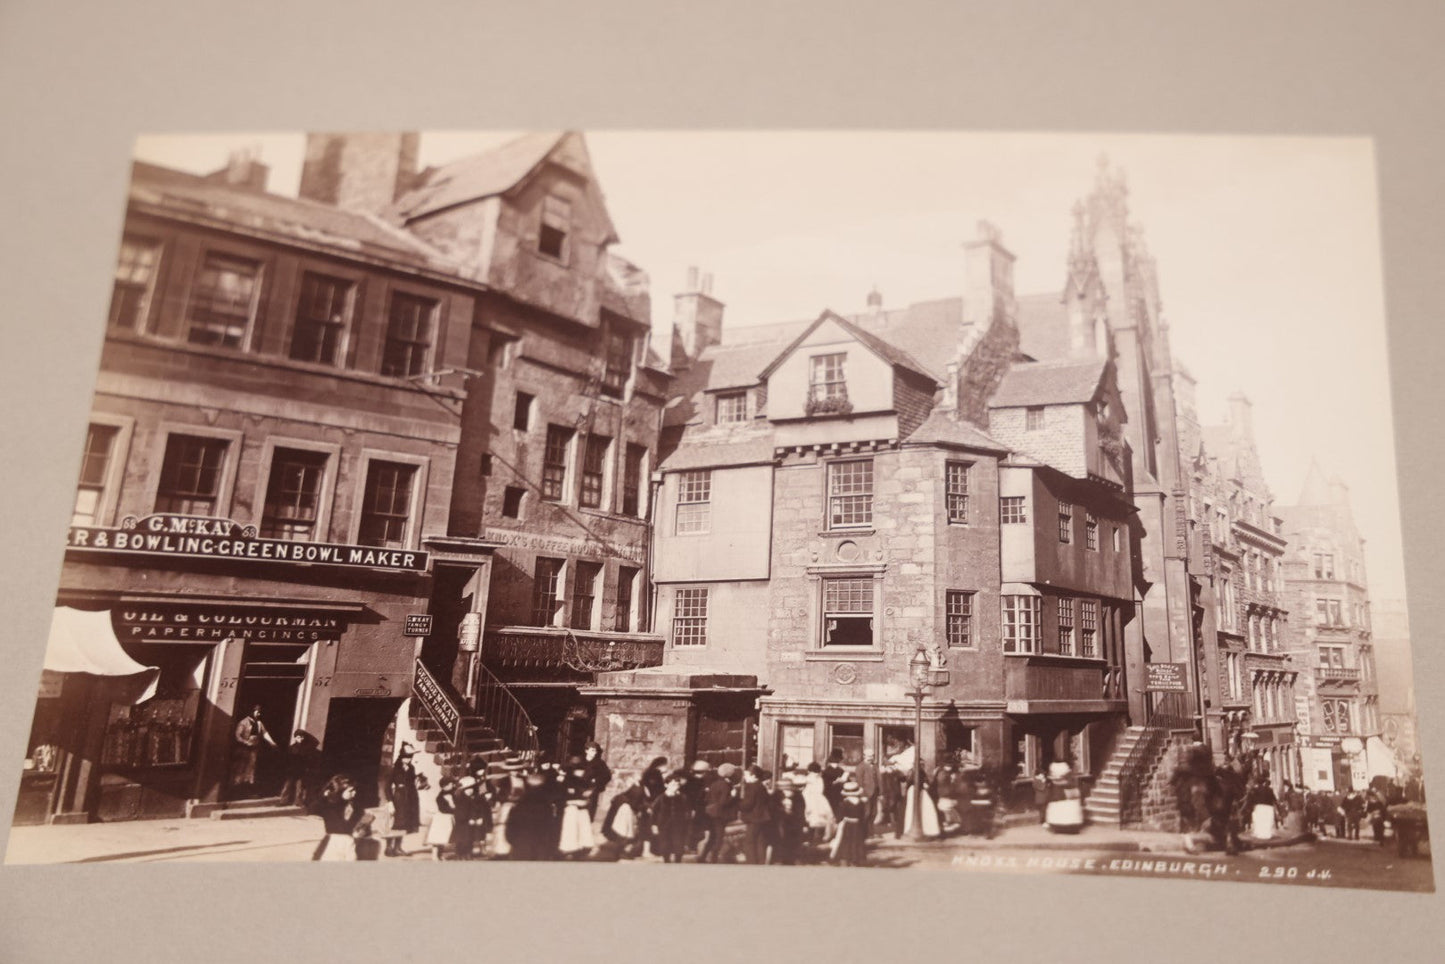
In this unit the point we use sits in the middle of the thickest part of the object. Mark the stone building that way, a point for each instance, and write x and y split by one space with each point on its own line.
402 393
1246 670
1391 635
562 442
832 504
1332 641
1110 307
271 450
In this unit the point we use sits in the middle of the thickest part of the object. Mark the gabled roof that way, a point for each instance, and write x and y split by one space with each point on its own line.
718 368
1069 382
479 176
301 220
890 353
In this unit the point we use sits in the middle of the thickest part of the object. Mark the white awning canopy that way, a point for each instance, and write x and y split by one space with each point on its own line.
84 642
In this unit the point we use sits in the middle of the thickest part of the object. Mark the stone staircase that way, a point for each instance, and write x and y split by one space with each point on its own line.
476 739
1105 803
248 809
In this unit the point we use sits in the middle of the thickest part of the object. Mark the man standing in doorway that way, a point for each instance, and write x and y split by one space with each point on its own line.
250 732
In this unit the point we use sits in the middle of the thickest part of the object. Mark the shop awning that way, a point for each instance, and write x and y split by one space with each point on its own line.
84 642
1379 760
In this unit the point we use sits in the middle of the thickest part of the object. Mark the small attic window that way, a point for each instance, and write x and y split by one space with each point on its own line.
1034 418
556 221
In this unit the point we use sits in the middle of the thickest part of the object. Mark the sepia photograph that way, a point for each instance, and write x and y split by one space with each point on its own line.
965 502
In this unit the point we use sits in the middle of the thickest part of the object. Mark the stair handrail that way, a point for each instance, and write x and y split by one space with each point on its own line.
1140 758
439 703
504 713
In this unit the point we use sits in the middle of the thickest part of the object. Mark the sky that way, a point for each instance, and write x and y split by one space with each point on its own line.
1268 253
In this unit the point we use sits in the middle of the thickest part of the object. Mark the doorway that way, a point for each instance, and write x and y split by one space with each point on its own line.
271 678
356 731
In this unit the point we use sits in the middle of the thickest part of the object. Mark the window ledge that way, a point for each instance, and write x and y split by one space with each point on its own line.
840 653
846 533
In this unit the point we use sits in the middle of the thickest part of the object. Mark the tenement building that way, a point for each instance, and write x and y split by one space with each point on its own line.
392 437
844 495
1110 308
1246 669
1325 581
269 450
564 437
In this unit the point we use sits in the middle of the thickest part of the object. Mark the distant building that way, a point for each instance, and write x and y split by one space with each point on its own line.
1247 671
1391 636
1332 639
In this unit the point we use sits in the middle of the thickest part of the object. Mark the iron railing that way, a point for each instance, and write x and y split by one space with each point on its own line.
496 707
504 714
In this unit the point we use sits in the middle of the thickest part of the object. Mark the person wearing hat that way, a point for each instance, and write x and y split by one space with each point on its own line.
695 789
598 774
403 803
719 807
464 813
439 833
671 819
756 812
790 822
850 845
575 838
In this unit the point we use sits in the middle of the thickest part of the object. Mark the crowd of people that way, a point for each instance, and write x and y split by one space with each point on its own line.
534 809
1220 805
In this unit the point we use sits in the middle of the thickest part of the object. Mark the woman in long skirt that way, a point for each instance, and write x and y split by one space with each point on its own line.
817 810
340 814
576 840
439 834
850 846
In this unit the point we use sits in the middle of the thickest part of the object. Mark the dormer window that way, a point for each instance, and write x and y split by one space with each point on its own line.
732 407
556 224
827 389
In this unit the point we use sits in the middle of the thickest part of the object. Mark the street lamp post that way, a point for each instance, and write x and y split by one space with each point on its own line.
918 668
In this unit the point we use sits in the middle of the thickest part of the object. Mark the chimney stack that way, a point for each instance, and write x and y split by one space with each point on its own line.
359 172
988 283
243 170
696 319
1241 422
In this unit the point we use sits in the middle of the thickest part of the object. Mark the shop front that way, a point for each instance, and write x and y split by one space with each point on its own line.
232 652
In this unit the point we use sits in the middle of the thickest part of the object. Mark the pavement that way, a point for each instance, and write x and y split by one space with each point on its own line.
1028 848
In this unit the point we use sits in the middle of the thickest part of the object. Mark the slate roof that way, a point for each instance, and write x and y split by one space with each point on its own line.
478 176
299 219
1072 382
699 453
883 349
1043 324
943 427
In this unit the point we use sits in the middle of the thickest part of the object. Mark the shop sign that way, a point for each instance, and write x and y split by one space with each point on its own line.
190 624
417 624
563 545
1165 678
206 537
